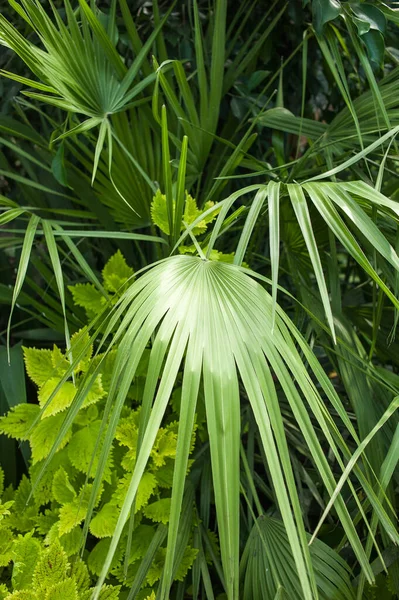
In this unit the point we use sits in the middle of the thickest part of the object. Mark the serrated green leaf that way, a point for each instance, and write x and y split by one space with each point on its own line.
88 297
189 556
60 401
80 574
97 556
73 513
164 447
18 421
107 592
64 590
23 595
6 547
62 489
24 509
104 522
116 273
26 552
38 364
51 568
44 435
145 490
159 214
42 490
158 511
81 449
80 346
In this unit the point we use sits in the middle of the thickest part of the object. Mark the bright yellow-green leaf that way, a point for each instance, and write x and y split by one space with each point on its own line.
116 273
38 364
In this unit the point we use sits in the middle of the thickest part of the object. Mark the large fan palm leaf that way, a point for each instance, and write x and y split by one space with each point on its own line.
217 321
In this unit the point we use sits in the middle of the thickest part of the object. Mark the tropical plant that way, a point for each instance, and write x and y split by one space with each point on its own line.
241 317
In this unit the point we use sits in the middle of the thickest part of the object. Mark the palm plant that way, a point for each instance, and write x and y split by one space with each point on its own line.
248 362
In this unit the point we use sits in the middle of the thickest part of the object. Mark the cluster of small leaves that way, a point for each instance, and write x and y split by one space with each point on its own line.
116 276
159 213
159 217
44 572
55 508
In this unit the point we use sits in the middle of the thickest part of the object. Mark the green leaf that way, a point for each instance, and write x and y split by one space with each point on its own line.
189 556
51 568
81 448
72 541
7 540
58 166
26 552
64 590
324 11
23 595
71 515
23 266
39 365
60 401
82 348
80 574
44 435
87 296
19 420
145 490
107 592
62 489
97 556
104 523
158 511
267 563
159 213
116 273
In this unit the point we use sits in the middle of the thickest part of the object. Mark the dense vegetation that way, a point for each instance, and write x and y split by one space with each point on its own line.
199 370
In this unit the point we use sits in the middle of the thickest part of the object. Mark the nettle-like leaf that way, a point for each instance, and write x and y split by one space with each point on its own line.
158 511
64 590
159 213
51 568
62 489
38 364
6 546
44 435
107 592
26 552
116 273
62 398
72 513
80 574
23 511
97 556
81 449
23 595
104 522
88 297
19 420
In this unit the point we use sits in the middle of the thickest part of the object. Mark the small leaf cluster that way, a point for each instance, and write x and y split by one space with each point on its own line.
159 213
116 277
46 572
